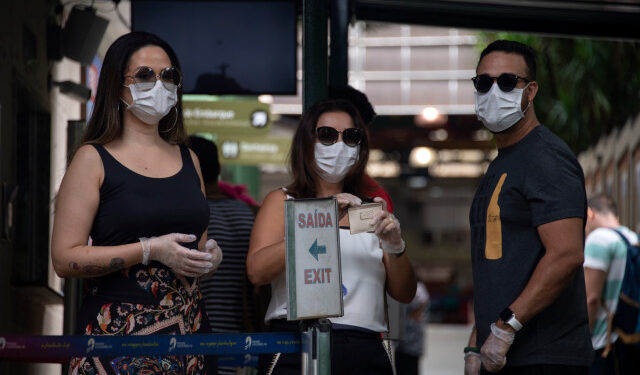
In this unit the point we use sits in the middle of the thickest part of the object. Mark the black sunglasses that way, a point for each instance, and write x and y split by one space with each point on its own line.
328 136
145 78
506 82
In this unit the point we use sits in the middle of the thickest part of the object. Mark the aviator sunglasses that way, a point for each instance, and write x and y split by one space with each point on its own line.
145 78
328 136
506 82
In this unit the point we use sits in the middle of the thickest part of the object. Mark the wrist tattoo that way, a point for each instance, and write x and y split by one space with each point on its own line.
115 264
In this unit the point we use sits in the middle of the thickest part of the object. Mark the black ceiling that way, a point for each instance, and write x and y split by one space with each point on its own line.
599 19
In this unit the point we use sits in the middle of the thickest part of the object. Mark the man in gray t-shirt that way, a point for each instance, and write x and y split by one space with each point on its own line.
527 232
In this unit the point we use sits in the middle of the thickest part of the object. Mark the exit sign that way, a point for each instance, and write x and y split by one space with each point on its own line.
314 278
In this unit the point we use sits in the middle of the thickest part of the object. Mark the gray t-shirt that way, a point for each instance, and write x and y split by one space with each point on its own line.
535 181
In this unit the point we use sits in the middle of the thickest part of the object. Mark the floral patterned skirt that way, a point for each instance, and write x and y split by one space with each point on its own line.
179 312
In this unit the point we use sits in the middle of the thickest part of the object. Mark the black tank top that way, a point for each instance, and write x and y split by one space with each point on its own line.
133 206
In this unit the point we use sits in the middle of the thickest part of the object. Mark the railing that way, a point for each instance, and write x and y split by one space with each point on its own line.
232 349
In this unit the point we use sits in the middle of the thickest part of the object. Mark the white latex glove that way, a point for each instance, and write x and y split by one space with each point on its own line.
495 348
211 247
346 200
167 250
387 228
472 363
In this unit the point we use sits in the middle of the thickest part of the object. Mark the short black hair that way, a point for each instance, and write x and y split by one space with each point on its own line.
207 153
355 97
602 204
511 46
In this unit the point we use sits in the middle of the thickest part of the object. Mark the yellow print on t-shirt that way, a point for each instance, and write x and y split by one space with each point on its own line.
493 246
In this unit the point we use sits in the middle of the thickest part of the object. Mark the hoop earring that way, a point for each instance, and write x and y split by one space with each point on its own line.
175 121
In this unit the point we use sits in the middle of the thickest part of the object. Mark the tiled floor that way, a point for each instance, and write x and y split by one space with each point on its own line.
445 343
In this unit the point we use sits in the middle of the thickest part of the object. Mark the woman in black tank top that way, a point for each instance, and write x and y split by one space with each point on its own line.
133 193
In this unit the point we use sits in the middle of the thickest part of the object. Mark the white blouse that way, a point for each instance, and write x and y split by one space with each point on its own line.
363 284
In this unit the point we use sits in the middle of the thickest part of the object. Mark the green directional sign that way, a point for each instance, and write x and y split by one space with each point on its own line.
210 114
248 150
239 127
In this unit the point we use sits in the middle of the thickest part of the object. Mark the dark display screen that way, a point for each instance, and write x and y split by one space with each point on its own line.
226 47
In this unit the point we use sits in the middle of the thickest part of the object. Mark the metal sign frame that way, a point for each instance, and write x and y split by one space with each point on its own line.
326 254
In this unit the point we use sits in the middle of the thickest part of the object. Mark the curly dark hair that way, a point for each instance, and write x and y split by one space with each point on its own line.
357 98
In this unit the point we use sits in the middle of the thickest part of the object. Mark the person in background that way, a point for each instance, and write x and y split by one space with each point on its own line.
527 231
135 189
228 295
605 256
368 114
328 155
411 347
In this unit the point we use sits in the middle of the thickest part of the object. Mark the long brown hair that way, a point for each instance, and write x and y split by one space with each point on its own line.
107 117
302 155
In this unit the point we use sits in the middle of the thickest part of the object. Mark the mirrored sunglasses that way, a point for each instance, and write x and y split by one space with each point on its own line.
145 78
328 136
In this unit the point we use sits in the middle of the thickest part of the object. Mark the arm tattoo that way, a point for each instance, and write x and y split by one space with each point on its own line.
116 264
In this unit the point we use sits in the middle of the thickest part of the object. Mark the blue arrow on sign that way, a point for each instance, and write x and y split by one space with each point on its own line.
315 249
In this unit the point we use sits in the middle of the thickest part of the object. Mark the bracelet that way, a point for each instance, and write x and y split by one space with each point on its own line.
471 349
146 249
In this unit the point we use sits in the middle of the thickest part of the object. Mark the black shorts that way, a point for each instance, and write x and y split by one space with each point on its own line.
352 353
540 370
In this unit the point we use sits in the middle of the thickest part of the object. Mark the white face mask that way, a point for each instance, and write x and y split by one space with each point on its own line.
335 161
151 105
499 110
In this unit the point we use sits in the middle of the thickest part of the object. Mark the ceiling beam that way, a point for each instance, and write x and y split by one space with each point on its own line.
593 19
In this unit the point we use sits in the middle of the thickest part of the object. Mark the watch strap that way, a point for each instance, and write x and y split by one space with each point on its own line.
509 317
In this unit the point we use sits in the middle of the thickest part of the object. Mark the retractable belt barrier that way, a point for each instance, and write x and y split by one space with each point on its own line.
231 346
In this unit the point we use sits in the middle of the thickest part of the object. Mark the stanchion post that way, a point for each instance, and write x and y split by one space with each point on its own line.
323 345
306 352
314 51
316 347
339 44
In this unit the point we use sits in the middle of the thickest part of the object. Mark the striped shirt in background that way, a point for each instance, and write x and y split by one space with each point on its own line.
604 250
230 223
